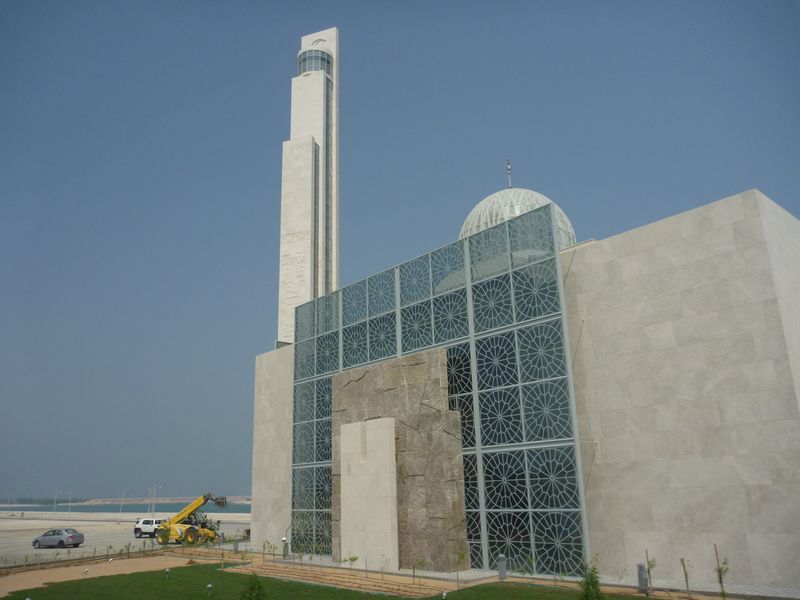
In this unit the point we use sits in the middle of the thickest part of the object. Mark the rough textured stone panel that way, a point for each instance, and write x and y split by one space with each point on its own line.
430 472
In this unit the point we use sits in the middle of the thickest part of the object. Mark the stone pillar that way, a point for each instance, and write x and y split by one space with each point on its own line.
272 446
369 494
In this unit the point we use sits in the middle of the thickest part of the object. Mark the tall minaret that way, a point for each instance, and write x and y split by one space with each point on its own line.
310 182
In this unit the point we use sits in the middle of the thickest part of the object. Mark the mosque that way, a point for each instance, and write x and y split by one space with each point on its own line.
518 393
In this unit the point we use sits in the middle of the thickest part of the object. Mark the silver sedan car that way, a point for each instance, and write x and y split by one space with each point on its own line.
60 538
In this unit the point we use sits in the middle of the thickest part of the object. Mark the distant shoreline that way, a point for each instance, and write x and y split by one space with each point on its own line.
126 501
158 500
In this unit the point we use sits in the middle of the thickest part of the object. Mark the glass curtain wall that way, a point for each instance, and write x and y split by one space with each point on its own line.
494 301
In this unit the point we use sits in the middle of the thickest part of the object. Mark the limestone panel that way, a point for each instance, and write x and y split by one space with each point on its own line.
782 235
308 106
686 388
368 493
430 474
272 446
297 241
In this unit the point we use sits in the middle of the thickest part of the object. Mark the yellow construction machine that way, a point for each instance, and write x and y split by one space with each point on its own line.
190 525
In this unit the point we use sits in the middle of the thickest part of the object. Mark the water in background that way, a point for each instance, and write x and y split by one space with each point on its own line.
141 509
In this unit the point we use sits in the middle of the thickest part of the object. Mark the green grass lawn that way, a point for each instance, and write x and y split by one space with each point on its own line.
191 582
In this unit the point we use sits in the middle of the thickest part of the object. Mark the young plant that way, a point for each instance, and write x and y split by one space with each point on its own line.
253 590
418 564
722 571
351 560
651 563
529 566
460 558
590 584
686 566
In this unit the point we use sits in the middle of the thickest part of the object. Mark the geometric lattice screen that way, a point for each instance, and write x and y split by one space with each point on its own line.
494 301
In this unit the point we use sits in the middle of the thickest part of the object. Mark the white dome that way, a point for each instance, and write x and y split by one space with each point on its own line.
513 202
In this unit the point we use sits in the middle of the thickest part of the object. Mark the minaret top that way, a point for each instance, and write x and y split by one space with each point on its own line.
326 40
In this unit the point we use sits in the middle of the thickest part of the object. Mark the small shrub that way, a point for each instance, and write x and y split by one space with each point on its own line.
253 590
590 584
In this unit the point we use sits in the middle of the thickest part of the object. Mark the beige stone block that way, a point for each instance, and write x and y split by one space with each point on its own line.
748 232
761 405
767 468
672 444
616 510
660 336
774 557
730 380
731 350
715 441
613 423
770 344
699 472
775 508
770 436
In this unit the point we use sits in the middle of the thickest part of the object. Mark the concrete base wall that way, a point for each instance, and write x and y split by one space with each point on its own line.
431 519
369 494
272 446
687 404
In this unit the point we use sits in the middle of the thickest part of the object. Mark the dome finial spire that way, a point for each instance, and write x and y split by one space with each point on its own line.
508 172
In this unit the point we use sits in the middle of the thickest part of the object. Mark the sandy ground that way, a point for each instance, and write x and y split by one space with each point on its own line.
40 577
101 530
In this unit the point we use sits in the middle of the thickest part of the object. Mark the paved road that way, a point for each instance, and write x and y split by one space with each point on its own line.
104 533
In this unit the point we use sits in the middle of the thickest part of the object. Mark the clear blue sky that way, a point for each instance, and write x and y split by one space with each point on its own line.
140 179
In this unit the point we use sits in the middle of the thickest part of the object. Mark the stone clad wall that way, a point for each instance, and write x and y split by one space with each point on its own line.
272 447
782 234
430 473
687 406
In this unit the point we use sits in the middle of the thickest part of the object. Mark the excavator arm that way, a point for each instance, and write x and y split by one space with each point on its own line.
181 528
199 502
